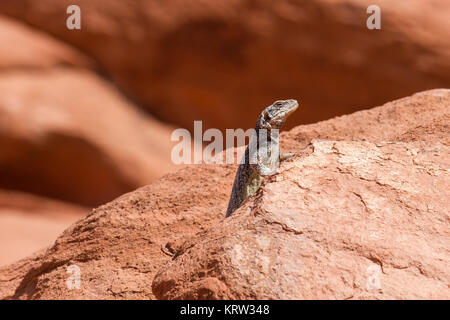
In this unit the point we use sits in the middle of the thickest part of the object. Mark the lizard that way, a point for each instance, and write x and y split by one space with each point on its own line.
262 155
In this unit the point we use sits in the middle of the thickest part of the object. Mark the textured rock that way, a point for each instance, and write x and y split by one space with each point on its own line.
424 116
222 63
120 246
29 223
68 134
338 216
344 220
64 132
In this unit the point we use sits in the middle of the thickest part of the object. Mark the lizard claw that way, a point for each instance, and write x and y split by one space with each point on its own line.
286 157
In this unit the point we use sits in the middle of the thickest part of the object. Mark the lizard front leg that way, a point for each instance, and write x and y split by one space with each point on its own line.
264 170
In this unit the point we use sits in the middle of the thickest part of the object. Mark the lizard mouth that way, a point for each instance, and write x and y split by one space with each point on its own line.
291 105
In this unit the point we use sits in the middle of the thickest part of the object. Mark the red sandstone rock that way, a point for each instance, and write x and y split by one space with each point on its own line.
421 117
68 134
222 63
25 48
29 223
64 132
345 219
120 246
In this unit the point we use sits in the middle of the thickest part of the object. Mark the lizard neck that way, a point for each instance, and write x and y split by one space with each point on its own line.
269 133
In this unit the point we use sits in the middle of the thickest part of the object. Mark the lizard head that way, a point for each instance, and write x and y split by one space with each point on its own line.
274 116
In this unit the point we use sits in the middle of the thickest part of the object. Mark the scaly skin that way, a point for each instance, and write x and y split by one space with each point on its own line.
251 172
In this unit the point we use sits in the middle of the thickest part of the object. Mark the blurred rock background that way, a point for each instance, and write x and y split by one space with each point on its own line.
86 115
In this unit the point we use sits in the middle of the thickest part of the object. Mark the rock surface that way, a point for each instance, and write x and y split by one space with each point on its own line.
65 132
222 63
29 223
120 246
60 122
325 229
421 117
362 217
69 125
26 48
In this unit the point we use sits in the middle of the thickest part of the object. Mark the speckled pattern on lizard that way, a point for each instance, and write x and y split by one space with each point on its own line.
262 156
